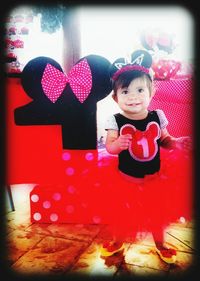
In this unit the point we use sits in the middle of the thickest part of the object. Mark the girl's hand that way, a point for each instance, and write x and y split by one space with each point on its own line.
184 143
123 141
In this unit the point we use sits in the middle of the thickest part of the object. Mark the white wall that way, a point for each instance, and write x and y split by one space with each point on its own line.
114 31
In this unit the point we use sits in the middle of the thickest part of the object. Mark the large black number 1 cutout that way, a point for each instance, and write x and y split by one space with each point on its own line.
66 105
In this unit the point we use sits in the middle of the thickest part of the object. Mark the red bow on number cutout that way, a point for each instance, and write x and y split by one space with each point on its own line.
80 80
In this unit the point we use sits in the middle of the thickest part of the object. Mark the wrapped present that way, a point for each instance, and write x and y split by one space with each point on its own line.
165 69
174 97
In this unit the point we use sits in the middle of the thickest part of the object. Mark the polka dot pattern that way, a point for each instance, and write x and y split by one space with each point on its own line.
174 97
75 167
56 196
65 205
66 156
80 80
89 156
46 204
37 216
65 202
53 217
34 198
88 199
70 171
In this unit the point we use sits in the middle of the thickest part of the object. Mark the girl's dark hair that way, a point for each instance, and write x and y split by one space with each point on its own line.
125 79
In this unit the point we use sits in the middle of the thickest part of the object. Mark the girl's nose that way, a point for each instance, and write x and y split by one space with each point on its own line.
132 95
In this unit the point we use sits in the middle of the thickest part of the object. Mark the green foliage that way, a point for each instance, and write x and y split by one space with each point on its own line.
51 17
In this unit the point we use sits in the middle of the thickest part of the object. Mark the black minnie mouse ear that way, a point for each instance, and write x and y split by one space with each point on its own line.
117 64
140 60
32 74
141 57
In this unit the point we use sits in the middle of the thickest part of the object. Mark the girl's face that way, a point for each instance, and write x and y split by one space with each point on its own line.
134 99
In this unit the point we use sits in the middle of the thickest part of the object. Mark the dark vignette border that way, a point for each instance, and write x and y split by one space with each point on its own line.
194 272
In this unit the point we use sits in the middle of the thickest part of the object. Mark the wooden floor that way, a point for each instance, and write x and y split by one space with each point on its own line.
61 249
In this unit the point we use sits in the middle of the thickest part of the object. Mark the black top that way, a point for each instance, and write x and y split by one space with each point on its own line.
143 156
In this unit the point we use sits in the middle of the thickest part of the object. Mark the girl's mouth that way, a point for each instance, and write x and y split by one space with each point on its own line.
133 104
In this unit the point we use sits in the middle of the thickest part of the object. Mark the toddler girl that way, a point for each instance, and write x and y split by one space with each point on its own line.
136 135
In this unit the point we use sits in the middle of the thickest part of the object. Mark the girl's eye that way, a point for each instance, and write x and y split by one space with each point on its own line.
141 90
125 92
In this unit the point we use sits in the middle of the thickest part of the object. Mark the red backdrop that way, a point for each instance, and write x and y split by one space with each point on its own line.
34 153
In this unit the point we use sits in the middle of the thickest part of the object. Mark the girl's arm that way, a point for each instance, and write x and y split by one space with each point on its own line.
115 143
170 142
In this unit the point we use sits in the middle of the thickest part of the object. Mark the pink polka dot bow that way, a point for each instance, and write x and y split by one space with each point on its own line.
80 80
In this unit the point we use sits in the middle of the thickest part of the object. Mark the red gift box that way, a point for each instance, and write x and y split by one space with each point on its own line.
165 69
174 97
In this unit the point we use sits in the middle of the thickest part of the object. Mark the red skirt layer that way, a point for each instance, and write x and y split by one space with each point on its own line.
95 192
150 205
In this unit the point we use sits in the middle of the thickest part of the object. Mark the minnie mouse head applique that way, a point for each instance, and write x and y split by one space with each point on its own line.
65 99
143 146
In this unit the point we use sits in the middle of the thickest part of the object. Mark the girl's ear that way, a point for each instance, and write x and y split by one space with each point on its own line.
114 96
